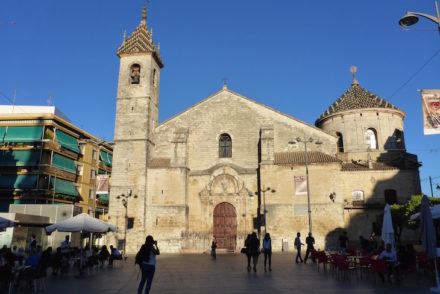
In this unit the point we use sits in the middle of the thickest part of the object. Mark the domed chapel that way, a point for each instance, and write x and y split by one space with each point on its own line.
230 165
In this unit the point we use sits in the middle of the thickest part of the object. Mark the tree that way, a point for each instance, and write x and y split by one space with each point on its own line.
401 213
399 218
413 206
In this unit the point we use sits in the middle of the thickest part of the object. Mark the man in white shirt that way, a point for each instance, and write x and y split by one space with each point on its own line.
66 246
390 257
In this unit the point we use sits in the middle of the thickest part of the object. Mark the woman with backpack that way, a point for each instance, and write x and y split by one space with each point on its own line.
146 258
267 250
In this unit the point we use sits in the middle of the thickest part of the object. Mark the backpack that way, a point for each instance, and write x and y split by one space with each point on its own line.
141 255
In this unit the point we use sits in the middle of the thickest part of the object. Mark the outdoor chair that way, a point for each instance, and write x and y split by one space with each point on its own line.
351 251
321 257
344 268
39 279
378 267
364 265
423 263
313 254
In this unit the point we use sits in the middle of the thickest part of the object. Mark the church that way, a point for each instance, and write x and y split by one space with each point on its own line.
229 165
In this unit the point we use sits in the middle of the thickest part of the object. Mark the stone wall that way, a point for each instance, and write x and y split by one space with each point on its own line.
353 125
136 116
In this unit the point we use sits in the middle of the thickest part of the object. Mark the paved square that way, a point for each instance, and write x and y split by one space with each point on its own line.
227 274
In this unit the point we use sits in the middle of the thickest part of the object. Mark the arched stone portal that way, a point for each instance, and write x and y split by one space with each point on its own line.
225 226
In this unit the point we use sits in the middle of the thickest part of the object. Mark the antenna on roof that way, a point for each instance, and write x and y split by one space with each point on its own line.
13 99
353 70
49 101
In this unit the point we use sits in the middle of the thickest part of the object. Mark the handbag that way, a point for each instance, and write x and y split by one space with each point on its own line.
243 250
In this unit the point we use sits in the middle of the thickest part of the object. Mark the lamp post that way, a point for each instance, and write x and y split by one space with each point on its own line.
411 18
305 142
124 200
264 190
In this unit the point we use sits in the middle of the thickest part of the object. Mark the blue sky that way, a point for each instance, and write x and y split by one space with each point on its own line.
290 55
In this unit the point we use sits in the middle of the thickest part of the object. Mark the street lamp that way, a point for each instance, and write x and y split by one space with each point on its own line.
305 142
124 200
411 18
264 204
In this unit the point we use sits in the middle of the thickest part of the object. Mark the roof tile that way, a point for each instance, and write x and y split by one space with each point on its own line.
286 158
357 97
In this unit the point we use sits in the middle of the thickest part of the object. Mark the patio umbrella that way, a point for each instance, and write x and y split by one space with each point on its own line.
435 211
427 234
82 223
387 227
6 223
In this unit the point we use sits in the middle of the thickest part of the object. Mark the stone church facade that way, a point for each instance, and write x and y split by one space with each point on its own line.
229 165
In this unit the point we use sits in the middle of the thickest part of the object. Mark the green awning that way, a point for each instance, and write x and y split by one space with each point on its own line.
64 187
64 163
2 133
103 198
22 134
67 141
18 181
106 158
19 157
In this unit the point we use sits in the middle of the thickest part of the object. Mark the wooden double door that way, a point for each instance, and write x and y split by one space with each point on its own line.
225 226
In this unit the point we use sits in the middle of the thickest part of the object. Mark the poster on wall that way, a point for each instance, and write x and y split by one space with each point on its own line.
300 185
102 184
431 111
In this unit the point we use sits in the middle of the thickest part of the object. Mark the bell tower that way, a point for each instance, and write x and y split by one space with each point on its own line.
137 105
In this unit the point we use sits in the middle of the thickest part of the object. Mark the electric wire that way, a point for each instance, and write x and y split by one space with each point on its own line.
415 74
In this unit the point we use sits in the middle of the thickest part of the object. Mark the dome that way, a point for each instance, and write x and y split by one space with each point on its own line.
354 98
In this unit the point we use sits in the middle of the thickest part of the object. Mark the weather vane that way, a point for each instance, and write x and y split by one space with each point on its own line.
353 70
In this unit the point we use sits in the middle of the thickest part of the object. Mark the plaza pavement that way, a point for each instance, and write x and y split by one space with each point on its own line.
193 273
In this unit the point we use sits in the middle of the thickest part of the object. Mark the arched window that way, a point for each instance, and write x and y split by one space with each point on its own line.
340 142
371 138
225 146
135 73
390 196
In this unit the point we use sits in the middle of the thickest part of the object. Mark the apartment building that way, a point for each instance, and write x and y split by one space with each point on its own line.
45 159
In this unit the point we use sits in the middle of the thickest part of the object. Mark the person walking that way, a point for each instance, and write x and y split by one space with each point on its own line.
254 250
146 258
247 248
213 247
267 250
298 247
310 242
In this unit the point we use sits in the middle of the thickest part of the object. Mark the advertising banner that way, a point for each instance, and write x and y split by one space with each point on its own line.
300 185
103 184
431 111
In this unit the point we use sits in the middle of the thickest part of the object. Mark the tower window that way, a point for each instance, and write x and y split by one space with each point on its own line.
135 73
225 146
371 139
340 142
154 78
